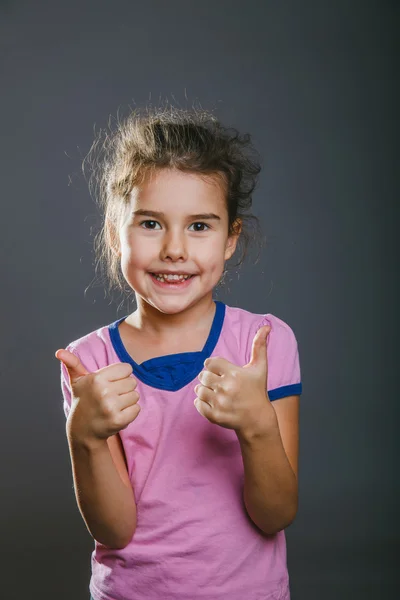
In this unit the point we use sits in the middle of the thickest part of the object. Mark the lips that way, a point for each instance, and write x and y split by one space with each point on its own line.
164 277
171 273
172 283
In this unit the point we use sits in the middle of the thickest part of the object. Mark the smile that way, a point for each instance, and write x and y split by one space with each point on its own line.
171 281
168 277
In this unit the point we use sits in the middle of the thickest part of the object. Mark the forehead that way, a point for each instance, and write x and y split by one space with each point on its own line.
169 189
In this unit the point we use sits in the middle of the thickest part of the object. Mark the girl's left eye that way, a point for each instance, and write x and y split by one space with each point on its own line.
202 224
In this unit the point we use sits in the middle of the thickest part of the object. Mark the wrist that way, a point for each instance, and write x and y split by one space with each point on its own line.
264 425
84 442
79 436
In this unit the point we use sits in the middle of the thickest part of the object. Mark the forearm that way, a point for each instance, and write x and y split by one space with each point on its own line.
107 505
270 485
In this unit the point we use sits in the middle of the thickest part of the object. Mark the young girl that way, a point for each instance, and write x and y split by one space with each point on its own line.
182 417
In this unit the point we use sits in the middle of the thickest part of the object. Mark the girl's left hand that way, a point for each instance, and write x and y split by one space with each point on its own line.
235 397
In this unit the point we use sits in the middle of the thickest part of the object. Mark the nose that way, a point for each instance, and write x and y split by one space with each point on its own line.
174 246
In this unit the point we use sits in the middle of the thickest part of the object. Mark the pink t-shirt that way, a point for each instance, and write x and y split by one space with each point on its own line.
194 539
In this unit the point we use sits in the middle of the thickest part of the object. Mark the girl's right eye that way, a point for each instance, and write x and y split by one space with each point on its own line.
148 222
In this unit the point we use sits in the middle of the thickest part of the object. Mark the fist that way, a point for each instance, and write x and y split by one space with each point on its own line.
103 402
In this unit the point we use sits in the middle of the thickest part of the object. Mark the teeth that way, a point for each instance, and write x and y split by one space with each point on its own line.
165 277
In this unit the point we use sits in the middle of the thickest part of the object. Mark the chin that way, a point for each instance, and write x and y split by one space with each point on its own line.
171 307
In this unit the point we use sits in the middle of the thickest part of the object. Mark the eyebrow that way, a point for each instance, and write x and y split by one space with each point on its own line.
152 213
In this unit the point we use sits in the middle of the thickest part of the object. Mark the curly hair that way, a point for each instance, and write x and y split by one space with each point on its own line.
158 138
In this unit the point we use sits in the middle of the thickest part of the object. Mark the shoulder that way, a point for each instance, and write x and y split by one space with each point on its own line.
284 375
93 348
246 324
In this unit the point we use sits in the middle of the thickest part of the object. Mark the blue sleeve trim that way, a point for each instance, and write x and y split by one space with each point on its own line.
287 390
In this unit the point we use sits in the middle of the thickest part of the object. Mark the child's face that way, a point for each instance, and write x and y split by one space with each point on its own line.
175 241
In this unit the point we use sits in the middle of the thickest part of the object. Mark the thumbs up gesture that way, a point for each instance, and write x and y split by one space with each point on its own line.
104 402
235 397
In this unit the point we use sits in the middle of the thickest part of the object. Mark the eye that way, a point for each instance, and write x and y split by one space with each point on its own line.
152 222
202 225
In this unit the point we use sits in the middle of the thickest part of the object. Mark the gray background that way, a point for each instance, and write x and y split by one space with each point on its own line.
315 83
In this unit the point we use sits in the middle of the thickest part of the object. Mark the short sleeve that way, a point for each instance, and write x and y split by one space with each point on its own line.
66 386
89 351
284 376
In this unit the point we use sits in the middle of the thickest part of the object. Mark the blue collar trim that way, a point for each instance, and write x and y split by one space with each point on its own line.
170 372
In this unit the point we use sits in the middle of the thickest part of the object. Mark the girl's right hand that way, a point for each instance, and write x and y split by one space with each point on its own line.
103 403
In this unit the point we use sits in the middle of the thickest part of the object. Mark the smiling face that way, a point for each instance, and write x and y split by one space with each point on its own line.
176 222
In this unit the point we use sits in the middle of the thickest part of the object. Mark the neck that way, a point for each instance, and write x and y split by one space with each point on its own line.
152 322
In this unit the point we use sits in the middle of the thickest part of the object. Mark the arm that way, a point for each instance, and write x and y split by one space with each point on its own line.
270 459
103 490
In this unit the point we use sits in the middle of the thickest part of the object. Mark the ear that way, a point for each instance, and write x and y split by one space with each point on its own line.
233 238
112 237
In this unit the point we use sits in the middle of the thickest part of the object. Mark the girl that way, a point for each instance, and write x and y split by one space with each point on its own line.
182 417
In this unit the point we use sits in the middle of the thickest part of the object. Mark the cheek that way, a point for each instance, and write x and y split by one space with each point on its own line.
134 259
212 255
134 251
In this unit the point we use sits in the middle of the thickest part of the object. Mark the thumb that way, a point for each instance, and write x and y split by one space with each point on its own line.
259 349
72 363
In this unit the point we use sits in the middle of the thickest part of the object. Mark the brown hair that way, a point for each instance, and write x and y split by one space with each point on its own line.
157 138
